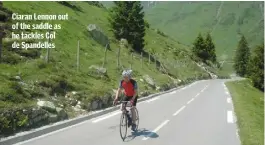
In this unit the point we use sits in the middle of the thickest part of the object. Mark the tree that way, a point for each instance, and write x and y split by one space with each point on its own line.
137 26
210 48
118 20
199 48
127 21
256 67
242 57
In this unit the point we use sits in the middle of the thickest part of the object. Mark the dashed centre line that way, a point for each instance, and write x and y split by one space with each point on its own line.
176 113
156 130
190 101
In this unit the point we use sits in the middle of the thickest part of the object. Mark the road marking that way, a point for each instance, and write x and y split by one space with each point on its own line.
107 116
237 133
183 88
176 113
197 95
230 117
228 100
154 131
190 101
50 133
173 92
226 89
204 88
152 99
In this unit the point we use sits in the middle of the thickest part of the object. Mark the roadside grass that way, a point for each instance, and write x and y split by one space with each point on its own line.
249 108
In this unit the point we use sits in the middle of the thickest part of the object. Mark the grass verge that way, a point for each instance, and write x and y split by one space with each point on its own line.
249 109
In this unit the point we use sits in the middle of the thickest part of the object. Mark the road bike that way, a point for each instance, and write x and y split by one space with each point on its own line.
126 119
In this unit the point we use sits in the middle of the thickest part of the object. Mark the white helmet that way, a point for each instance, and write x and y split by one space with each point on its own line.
127 73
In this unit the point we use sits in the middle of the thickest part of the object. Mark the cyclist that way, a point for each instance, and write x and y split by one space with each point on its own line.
130 90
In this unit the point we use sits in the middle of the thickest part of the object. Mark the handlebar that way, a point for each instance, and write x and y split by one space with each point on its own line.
125 102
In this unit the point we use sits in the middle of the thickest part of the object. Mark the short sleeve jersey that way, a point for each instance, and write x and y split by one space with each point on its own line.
129 87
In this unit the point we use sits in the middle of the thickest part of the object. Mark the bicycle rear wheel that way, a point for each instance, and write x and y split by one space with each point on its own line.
123 126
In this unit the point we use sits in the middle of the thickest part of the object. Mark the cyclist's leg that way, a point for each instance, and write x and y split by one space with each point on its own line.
133 110
124 104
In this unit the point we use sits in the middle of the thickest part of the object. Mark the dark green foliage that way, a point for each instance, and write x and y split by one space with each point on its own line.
118 20
127 21
147 25
199 48
242 57
71 5
210 48
204 50
256 67
57 84
96 3
11 58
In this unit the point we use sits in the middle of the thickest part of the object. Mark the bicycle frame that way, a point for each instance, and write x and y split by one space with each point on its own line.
124 107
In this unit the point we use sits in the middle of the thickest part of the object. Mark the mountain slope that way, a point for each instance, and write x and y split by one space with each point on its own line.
225 20
44 81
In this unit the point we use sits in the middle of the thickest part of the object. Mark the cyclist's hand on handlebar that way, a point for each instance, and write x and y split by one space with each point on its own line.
115 101
132 101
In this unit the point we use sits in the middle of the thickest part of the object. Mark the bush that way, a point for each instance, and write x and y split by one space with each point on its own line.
57 84
41 64
11 58
96 3
147 25
31 53
160 33
256 68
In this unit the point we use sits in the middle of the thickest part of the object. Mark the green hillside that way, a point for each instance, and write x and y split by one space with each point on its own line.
225 20
40 80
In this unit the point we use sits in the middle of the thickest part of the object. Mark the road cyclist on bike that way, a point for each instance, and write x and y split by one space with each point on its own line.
129 87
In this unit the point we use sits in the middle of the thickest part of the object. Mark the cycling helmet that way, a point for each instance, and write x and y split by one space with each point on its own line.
127 73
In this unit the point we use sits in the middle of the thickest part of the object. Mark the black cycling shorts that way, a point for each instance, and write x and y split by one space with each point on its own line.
128 98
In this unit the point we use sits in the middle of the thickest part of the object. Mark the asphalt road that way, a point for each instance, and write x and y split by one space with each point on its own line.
199 114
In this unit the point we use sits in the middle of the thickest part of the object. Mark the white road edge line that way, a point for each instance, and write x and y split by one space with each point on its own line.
106 117
176 113
154 131
51 133
228 100
190 101
148 101
173 92
230 117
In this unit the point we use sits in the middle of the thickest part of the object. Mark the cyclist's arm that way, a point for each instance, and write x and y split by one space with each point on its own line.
135 90
118 91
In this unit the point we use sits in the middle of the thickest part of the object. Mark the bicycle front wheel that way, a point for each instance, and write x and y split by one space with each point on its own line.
123 126
136 119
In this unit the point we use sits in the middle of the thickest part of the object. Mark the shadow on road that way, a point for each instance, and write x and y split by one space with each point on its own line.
142 133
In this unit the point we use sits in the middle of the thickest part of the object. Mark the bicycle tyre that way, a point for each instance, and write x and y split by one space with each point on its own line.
123 120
